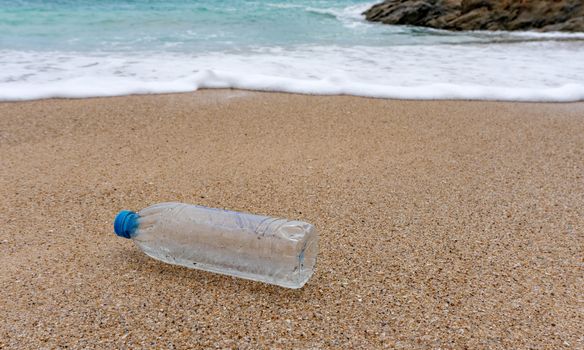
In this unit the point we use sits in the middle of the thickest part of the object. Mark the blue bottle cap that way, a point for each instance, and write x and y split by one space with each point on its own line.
126 223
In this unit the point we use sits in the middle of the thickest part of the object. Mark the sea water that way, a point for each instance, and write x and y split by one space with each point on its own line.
84 48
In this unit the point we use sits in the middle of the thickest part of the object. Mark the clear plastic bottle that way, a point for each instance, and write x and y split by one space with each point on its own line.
259 248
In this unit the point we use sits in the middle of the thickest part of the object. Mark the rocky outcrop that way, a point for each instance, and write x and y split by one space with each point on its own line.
541 15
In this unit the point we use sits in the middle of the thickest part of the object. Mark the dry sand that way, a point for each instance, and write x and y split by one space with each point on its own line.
443 224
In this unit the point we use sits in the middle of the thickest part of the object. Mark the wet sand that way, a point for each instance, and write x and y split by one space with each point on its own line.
443 224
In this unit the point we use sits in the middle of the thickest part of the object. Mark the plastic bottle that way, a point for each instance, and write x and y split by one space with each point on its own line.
260 248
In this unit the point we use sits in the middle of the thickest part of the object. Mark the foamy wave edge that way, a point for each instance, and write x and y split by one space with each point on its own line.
107 87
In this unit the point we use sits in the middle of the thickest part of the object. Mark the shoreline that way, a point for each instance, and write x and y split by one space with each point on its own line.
324 95
442 223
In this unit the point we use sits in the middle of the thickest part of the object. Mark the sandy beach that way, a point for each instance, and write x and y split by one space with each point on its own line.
443 224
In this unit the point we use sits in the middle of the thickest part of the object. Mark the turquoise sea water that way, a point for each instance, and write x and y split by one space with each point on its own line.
191 26
78 48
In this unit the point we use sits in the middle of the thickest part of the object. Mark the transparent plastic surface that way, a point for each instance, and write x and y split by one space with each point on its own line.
260 248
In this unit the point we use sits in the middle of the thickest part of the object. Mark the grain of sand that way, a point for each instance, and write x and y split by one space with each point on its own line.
443 224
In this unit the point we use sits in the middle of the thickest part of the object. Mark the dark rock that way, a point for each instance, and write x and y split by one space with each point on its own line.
478 18
469 5
541 15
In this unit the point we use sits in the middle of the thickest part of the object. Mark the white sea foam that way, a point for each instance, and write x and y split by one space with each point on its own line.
350 16
532 71
531 34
